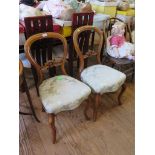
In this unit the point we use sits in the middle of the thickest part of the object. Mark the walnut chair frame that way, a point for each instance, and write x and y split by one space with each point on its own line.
90 53
46 64
118 63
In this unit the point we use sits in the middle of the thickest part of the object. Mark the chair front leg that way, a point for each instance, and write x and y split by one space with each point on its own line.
51 120
121 93
97 103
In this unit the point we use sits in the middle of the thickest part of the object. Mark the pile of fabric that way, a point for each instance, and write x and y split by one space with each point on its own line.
57 8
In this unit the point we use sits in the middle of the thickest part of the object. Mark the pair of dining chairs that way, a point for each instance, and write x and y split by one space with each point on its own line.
62 92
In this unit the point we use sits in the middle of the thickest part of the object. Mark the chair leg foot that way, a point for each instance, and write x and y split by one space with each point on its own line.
97 103
52 124
86 109
121 93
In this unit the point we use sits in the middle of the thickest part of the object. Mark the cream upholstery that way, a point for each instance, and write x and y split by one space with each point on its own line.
102 79
62 93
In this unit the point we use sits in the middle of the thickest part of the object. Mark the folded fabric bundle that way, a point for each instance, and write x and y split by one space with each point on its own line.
64 9
28 11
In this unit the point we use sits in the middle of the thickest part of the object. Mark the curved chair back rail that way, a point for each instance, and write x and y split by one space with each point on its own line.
79 40
45 62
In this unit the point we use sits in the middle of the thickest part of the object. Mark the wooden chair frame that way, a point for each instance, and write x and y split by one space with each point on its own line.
97 53
50 63
118 62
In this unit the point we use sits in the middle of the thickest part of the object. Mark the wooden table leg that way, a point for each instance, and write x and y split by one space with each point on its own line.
71 54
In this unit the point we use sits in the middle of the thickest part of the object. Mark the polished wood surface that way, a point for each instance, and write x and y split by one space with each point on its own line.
111 134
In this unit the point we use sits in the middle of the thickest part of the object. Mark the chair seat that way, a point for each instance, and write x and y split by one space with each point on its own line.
121 61
62 93
103 79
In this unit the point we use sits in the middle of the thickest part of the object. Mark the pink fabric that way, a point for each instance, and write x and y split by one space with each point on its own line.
21 28
117 40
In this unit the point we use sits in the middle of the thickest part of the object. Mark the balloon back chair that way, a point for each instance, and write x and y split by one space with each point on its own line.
100 78
58 93
123 64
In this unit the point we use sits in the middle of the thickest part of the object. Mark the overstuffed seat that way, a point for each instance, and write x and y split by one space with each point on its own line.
62 93
103 79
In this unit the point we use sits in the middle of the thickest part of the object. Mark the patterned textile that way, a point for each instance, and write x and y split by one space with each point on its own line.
61 93
103 79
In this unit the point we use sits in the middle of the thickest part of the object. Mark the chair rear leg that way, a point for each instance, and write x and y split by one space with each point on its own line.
86 108
35 80
51 120
97 103
121 93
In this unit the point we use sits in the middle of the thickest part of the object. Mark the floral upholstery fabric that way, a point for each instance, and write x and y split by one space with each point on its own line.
62 93
103 79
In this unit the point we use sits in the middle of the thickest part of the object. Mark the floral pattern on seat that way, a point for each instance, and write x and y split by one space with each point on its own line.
103 79
62 93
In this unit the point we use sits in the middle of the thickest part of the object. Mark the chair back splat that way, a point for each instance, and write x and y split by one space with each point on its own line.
85 46
42 60
38 24
81 19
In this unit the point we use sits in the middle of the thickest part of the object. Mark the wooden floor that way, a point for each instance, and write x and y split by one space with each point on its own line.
111 134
